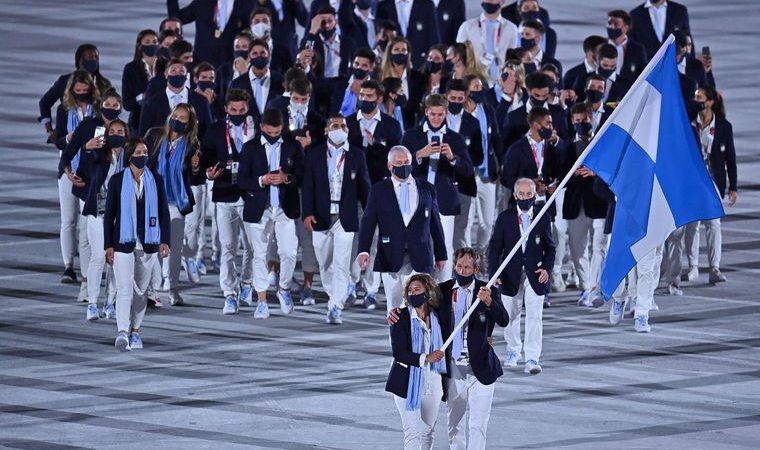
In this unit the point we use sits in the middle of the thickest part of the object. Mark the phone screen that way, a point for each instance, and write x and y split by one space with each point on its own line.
100 131
435 140
706 51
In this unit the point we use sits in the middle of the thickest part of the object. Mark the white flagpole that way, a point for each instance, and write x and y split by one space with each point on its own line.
653 62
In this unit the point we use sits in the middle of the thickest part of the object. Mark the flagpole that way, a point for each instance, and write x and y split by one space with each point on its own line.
647 70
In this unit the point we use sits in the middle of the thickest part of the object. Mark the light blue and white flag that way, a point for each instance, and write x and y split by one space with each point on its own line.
647 153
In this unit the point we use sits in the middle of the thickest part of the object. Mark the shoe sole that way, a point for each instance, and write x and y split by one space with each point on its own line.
260 317
309 302
229 313
122 346
68 280
93 319
534 372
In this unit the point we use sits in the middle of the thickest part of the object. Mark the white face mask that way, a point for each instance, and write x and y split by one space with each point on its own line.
260 30
298 107
337 137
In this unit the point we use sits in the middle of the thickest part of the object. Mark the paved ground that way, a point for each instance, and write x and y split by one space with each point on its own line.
208 381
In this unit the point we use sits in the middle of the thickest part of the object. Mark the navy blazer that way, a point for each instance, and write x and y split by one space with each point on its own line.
56 91
134 82
470 131
517 124
387 135
696 71
579 191
519 162
634 59
189 179
575 77
603 191
347 49
485 364
254 164
404 357
215 150
112 216
315 124
275 89
451 16
495 150
156 109
722 155
284 31
511 12
97 167
208 46
315 190
422 31
642 31
422 239
83 133
445 177
539 252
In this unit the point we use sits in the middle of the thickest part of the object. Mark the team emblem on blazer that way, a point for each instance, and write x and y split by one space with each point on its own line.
723 148
445 16
382 142
289 162
419 26
385 239
153 221
482 317
467 141
538 240
353 174
427 212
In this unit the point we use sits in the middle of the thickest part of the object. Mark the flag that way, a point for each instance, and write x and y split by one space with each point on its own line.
648 155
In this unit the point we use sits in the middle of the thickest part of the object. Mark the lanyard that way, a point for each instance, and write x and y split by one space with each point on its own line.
484 37
535 156
340 161
227 136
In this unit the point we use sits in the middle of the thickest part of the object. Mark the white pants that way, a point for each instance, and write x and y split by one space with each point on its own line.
194 223
393 284
177 246
419 425
447 223
462 233
229 218
370 278
559 233
309 262
133 272
578 231
534 328
484 207
273 223
465 393
85 251
334 254
647 276
70 220
714 242
97 259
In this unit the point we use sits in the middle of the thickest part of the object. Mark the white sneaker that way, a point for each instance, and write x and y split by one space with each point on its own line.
175 299
192 271
674 290
511 359
641 324
716 276
558 284
82 297
286 303
532 367
572 279
122 342
246 294
230 306
585 299
262 311
92 312
692 274
616 311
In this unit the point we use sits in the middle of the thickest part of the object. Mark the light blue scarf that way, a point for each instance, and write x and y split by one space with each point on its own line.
72 122
416 382
480 114
171 172
128 213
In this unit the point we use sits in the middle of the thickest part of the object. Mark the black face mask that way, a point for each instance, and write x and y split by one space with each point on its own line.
606 73
382 43
505 76
163 52
529 15
139 161
260 62
82 97
583 128
490 8
177 126
434 129
240 54
594 96
176 81
116 141
477 96
402 172
545 133
360 74
366 106
91 65
614 33
448 66
433 67
700 106
536 102
327 34
527 44
527 204
236 119
417 300
462 280
271 139
203 85
110 114
455 107
150 50
399 59
401 100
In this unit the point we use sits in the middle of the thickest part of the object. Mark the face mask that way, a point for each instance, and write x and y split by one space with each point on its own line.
364 4
110 114
260 30
360 74
236 119
177 126
399 59
433 67
176 81
527 204
529 15
529 68
455 107
582 128
490 8
260 62
527 44
463 280
545 133
203 85
139 161
150 50
298 107
338 136
476 96
606 73
116 141
430 125
82 97
536 102
448 65
366 106
327 34
614 33
402 172
163 52
594 96
382 43
417 300
700 106
271 139
241 54
90 65
401 100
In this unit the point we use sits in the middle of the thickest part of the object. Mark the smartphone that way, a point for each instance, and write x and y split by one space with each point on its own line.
435 140
274 172
706 51
100 132
219 165
309 44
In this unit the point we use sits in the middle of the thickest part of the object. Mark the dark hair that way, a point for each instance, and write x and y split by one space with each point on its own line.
300 86
534 24
292 74
592 42
256 42
537 113
551 68
514 54
163 34
391 84
459 49
335 115
621 14
472 253
237 95
169 19
457 85
272 117
111 93
595 76
202 67
390 25
607 51
538 80
179 48
374 85
174 61
259 10
327 9
129 150
138 43
366 53
430 286
712 94
81 50
580 108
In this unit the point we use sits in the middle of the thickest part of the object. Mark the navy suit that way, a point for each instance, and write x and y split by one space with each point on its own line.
676 18
315 124
485 364
112 216
517 124
97 167
275 89
83 133
156 109
284 30
315 191
575 77
254 164
634 59
617 91
603 191
579 191
215 150
387 135
470 131
422 31
696 71
451 15
722 156
539 252
445 178
519 162
347 49
422 240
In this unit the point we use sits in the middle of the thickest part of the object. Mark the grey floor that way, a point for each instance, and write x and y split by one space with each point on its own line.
208 381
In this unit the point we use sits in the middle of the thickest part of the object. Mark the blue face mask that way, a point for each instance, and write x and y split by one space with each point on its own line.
366 106
150 50
527 44
526 204
402 172
139 161
417 300
90 65
545 133
260 62
582 128
359 74
177 126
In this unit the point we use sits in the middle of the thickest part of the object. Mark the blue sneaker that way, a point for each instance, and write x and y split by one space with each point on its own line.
122 342
246 294
262 311
109 311
370 301
135 342
351 295
192 271
286 304
585 299
201 267
333 316
641 324
92 312
307 296
230 306
616 311
511 360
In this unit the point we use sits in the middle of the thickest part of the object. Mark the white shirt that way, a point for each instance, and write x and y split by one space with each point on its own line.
427 345
336 182
292 117
264 87
464 358
175 99
368 124
706 137
657 14
474 30
621 53
682 66
538 146
454 121
589 67
369 21
332 70
529 106
268 150
414 199
404 12
596 117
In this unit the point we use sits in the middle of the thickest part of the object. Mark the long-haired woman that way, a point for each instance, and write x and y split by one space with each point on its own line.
137 73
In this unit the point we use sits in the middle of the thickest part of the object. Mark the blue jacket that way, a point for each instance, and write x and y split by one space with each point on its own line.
156 109
642 31
722 155
451 15
275 90
422 239
315 190
387 135
422 31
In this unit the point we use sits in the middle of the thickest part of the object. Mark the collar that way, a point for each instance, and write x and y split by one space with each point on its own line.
649 4
376 116
403 2
253 76
532 141
397 183
598 111
622 44
342 147
529 105
264 141
539 56
469 288
182 93
426 128
361 16
682 66
698 123
589 67
499 19
520 212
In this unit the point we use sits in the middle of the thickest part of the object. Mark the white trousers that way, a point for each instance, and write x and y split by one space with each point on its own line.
465 393
97 259
714 240
484 207
85 250
229 219
333 249
177 247
393 284
647 277
559 233
70 220
447 223
462 234
534 327
370 278
273 223
419 425
133 272
194 223
578 232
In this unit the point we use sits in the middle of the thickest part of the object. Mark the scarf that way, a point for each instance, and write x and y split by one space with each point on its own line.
72 122
480 114
416 386
171 172
128 213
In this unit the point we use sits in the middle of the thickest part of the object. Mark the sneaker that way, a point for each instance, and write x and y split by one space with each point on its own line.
135 341
175 299
572 280
246 294
122 342
691 275
597 299
92 312
307 297
547 301
370 301
532 367
511 360
109 311
201 267
616 311
272 280
82 297
69 276
674 290
294 286
230 306
351 298
286 304
154 300
192 271
333 316
585 299
165 285
558 284
641 324
262 311
654 306
716 276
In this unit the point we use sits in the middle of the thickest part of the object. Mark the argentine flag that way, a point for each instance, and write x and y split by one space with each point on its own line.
647 153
